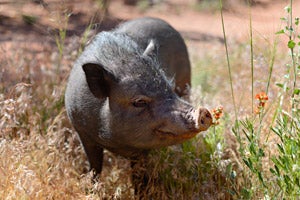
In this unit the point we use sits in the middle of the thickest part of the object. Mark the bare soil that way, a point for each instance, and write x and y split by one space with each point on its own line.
198 26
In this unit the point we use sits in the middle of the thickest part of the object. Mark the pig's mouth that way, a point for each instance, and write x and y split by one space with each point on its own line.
164 134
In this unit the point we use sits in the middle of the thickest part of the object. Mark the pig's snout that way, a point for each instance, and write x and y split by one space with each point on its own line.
204 119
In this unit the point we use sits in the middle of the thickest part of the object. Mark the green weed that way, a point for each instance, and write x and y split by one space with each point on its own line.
267 173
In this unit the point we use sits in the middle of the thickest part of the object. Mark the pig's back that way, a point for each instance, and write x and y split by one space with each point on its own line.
172 51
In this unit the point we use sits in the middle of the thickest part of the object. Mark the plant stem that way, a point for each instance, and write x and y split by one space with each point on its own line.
291 34
271 65
292 53
252 59
228 62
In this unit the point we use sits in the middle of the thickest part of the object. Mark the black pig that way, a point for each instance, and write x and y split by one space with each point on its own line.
124 92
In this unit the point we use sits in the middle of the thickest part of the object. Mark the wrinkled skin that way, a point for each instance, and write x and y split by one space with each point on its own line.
124 92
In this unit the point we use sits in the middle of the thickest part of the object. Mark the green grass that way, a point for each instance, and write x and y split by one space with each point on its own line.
257 157
189 170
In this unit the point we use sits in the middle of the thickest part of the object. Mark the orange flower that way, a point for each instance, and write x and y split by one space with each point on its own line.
262 99
217 114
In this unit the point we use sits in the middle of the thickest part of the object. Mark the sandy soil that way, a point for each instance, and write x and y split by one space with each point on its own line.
192 23
185 18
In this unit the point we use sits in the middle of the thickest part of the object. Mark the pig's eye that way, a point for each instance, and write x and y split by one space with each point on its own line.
141 102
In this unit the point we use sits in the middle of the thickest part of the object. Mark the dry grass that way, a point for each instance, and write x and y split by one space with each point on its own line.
44 159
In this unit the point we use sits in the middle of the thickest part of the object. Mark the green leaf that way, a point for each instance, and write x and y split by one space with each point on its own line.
261 152
246 194
291 44
260 177
281 148
280 85
249 164
283 19
287 9
252 149
229 169
297 91
273 171
287 179
297 180
280 32
277 170
29 19
297 21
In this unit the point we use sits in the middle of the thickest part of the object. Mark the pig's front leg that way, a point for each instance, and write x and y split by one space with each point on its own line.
94 153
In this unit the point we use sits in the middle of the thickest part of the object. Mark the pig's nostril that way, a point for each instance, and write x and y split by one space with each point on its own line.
202 121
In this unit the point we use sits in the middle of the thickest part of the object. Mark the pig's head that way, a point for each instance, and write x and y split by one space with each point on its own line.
141 109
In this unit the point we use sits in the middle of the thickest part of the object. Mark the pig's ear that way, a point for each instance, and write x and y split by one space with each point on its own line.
151 49
99 79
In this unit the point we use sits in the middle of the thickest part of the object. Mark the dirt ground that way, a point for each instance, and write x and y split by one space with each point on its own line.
198 26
